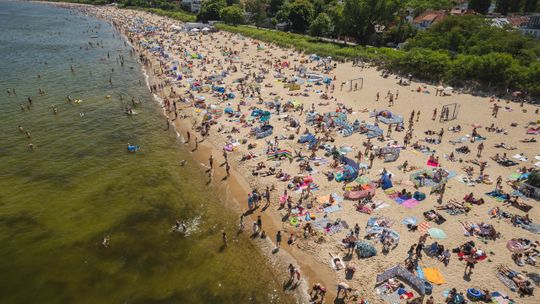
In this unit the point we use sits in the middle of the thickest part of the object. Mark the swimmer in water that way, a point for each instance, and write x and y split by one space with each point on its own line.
30 147
55 109
21 129
106 241
28 135
29 100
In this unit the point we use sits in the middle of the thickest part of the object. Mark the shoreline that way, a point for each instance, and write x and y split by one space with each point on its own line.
234 188
238 185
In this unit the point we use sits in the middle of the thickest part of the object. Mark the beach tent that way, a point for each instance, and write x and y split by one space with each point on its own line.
405 275
263 131
386 182
348 174
448 91
365 249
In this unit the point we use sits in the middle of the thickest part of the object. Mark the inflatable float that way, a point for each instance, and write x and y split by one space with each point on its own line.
358 195
132 148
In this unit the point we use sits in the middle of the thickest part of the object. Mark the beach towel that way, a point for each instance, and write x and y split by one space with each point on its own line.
432 163
420 272
392 298
496 195
507 281
331 209
410 203
532 227
320 224
399 200
409 220
424 227
390 191
520 157
434 276
500 298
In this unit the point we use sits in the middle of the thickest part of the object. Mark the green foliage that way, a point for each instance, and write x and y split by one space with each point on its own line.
177 14
233 15
274 6
361 16
210 10
321 26
516 6
257 11
299 13
420 6
480 6
474 35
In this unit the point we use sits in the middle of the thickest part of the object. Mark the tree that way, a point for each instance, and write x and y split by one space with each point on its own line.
321 26
233 15
210 10
274 6
335 12
502 6
300 14
516 6
531 6
256 10
361 16
480 6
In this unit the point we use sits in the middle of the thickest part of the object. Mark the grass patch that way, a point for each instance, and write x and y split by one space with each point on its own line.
179 15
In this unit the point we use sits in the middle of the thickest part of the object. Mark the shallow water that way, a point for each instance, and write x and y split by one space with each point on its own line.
79 185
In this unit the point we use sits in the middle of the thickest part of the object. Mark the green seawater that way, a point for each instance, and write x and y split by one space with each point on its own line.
58 202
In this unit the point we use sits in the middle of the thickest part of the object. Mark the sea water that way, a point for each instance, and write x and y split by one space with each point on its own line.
79 185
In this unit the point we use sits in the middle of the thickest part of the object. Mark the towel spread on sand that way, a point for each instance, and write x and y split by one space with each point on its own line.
410 203
434 276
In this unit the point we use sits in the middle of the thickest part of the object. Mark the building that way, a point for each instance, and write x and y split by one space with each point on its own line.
533 27
193 6
429 18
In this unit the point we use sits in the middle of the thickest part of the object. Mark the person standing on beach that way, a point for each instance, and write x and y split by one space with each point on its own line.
259 222
224 236
278 239
211 161
480 148
196 143
188 135
434 114
227 169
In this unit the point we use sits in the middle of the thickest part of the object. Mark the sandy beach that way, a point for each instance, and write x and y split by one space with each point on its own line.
224 90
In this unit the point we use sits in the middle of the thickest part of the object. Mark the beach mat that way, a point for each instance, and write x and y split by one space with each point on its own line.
434 276
392 298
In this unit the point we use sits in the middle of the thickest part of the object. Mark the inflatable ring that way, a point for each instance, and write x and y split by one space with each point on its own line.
294 221
475 293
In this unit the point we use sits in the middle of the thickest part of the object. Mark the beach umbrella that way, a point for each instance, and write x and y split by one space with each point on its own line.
194 30
437 233
205 29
